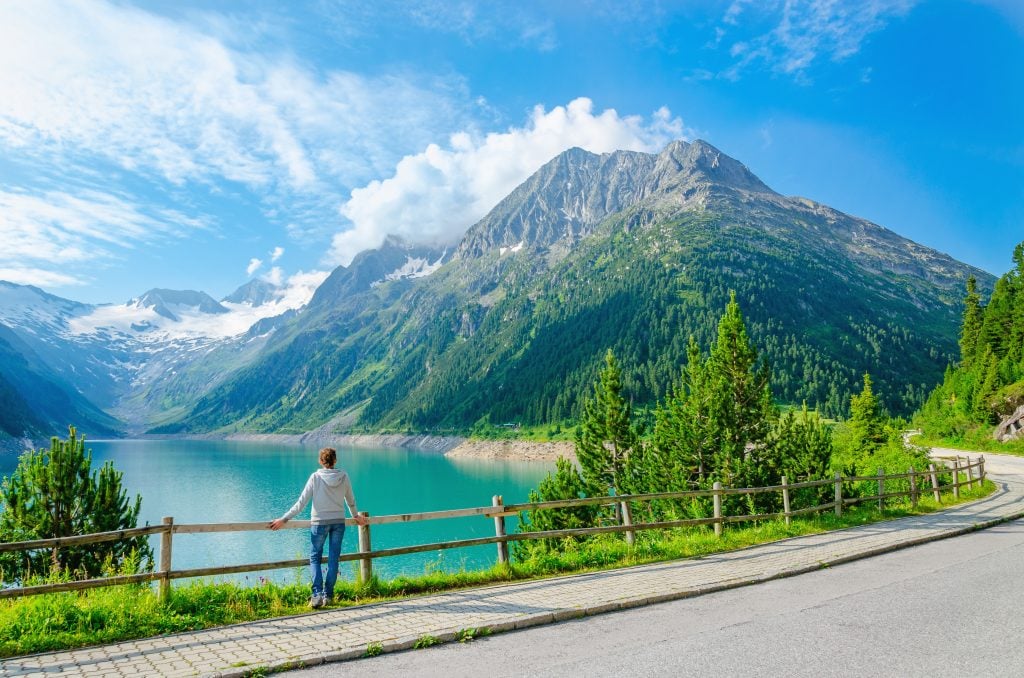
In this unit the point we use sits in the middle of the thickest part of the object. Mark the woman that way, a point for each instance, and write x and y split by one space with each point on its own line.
328 487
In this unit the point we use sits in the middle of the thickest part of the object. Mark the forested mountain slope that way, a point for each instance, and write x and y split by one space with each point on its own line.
628 251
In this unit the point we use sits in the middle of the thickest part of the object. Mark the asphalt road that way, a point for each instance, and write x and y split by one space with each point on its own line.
949 608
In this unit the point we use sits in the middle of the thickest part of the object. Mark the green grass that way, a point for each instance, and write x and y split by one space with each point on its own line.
97 616
424 641
979 440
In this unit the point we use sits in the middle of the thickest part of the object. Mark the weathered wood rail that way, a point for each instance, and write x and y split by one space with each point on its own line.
960 472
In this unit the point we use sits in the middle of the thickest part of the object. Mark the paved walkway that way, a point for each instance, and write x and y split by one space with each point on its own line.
341 634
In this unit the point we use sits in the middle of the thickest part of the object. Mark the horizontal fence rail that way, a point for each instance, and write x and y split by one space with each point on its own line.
960 471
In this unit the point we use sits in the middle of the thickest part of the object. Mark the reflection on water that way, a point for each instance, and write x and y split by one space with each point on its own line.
223 481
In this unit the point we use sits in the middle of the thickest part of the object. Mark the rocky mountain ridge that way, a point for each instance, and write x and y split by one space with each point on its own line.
626 250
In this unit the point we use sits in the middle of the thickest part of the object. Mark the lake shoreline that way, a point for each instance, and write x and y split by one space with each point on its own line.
456 447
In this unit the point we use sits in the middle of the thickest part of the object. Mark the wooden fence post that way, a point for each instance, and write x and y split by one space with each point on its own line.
165 558
839 495
935 483
913 487
981 468
718 508
881 489
499 530
785 501
956 478
365 564
970 474
627 520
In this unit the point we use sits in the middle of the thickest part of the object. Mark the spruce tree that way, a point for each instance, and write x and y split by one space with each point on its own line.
867 420
605 437
971 326
565 483
55 493
685 434
741 402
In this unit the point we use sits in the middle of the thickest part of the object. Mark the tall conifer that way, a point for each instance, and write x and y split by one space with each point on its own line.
606 436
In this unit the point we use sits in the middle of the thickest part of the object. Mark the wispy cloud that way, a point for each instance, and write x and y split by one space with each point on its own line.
254 265
88 81
276 253
49 237
803 32
473 21
434 196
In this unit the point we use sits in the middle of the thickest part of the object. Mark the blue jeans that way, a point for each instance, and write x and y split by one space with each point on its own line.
318 534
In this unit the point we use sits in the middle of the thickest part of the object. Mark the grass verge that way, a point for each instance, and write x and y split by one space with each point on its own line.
978 441
68 620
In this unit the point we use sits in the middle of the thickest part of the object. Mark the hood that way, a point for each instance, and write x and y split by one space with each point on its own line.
331 476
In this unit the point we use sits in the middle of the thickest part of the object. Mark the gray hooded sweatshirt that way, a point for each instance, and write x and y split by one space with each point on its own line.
328 488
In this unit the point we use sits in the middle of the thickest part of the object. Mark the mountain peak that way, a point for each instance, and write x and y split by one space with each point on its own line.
256 292
163 302
686 163
395 259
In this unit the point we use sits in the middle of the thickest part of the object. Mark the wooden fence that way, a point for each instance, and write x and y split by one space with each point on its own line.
961 472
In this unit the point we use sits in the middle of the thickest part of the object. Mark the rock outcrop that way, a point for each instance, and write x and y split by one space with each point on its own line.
1011 427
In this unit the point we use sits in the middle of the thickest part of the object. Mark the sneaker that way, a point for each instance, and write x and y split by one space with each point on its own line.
316 602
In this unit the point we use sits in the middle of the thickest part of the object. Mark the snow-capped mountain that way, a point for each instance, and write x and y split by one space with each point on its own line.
118 356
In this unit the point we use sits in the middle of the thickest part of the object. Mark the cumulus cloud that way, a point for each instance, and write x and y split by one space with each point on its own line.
435 195
46 235
254 265
276 253
275 276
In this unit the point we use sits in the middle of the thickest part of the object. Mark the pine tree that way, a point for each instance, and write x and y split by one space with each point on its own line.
803 445
988 384
741 404
565 483
997 319
55 493
605 436
971 327
867 420
716 423
685 435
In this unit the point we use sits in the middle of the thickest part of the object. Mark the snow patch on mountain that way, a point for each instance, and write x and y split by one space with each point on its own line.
172 317
414 267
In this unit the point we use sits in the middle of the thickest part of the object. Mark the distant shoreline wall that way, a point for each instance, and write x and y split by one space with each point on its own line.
453 446
422 443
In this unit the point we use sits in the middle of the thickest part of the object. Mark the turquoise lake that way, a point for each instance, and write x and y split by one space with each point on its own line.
222 481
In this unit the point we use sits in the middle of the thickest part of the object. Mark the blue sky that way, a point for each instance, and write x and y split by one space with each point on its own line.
197 145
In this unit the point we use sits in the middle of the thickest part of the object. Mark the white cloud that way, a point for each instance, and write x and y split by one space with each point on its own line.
275 276
28 275
510 24
47 237
254 265
434 196
806 31
83 81
276 253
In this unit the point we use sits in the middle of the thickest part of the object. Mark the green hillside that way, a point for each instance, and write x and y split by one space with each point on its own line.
987 384
515 332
